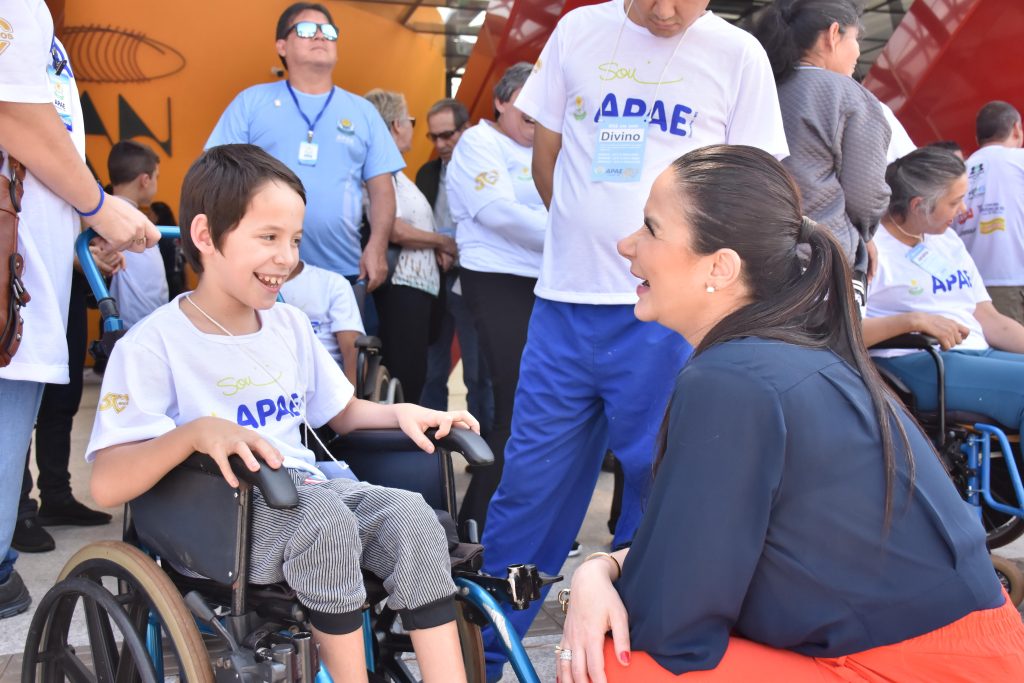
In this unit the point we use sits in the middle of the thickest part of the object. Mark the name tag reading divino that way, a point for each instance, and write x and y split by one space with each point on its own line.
619 151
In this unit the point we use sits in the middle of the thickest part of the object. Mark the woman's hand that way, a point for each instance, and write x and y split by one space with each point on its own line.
444 260
414 420
594 609
220 439
448 246
107 259
949 333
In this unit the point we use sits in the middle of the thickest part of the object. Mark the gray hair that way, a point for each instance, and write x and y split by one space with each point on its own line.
459 112
390 105
512 80
995 121
927 173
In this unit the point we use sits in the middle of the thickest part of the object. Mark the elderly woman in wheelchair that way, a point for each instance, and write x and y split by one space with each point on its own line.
927 285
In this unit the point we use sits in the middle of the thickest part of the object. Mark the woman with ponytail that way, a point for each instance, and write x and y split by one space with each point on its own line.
837 133
800 526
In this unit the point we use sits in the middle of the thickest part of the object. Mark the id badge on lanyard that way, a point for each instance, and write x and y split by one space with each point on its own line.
930 262
60 84
619 149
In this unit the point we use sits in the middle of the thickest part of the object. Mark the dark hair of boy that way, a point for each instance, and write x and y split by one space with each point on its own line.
128 160
995 121
221 184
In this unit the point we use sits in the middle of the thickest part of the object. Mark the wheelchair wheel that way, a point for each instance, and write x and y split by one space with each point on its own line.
378 388
472 642
1001 528
1011 577
126 600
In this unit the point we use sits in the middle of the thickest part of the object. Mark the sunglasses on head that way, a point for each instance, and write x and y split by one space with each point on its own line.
445 135
307 29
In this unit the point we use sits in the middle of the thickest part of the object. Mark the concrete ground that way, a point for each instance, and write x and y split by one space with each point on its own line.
40 570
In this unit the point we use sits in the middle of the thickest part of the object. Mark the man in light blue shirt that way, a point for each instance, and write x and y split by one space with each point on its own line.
333 140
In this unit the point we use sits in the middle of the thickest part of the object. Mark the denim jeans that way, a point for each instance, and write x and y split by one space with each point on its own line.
479 396
19 403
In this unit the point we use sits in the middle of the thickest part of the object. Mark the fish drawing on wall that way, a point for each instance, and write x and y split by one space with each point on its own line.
108 54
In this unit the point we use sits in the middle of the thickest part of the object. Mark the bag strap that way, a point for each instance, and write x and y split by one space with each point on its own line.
17 181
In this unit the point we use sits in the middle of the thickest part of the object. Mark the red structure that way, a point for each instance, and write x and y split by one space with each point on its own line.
945 60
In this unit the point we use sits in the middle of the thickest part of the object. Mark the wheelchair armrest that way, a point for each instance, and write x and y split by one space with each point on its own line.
277 487
911 340
364 341
472 446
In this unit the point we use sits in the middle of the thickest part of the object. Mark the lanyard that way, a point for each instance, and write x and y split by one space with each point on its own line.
310 126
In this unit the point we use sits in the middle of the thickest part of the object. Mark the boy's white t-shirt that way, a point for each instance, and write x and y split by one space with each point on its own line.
48 224
901 286
141 286
328 301
993 227
165 373
488 166
717 87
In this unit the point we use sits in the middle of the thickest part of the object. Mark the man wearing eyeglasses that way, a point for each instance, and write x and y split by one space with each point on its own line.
333 140
446 120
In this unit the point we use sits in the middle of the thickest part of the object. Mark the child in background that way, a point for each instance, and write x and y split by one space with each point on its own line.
141 286
224 370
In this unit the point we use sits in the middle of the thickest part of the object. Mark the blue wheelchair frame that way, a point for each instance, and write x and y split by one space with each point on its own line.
481 597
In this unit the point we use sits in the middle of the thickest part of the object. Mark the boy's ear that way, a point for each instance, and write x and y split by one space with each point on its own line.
202 237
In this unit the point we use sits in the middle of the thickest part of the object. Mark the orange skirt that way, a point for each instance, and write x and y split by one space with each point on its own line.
987 645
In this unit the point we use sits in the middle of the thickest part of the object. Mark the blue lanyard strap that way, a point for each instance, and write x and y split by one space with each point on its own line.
310 126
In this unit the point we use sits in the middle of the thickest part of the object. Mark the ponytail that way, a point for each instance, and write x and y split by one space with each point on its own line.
788 29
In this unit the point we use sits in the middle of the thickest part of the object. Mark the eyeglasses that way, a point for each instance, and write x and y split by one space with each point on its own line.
307 29
412 121
445 135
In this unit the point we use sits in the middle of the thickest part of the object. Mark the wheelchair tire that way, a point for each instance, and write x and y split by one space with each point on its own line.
1012 578
472 642
116 585
1001 528
378 388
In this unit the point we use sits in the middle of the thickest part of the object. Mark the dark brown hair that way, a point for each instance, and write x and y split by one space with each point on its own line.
285 21
221 184
995 121
740 198
128 160
788 29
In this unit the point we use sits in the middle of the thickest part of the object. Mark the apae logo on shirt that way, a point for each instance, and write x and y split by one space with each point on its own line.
267 409
679 123
961 279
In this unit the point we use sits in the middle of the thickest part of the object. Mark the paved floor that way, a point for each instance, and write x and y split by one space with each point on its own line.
40 570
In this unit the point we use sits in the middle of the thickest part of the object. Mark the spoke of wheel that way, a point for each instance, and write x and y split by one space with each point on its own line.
73 668
101 640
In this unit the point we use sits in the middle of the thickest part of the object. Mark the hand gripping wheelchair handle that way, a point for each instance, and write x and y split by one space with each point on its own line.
469 443
277 487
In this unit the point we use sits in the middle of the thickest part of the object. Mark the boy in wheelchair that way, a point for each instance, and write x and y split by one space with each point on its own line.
223 370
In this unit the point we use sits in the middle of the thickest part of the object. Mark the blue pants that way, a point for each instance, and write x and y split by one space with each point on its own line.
19 403
591 378
457 318
988 382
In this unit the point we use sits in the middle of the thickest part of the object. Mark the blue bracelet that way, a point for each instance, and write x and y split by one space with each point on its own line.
103 196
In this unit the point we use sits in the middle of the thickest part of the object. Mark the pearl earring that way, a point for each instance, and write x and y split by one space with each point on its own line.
710 289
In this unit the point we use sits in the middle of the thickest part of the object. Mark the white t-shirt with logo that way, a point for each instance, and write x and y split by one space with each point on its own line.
717 87
902 286
165 373
328 301
49 225
141 286
489 166
993 227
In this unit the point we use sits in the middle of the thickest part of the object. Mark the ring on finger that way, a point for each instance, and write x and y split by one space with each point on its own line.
565 655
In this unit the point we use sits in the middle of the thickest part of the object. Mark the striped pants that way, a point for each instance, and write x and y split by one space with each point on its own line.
342 526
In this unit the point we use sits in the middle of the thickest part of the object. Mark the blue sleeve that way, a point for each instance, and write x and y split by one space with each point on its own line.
382 155
701 538
233 126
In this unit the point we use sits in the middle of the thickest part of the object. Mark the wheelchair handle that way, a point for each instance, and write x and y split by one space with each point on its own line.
911 340
469 443
277 487
108 307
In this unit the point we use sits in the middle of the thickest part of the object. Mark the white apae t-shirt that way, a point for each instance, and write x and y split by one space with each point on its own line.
488 166
901 286
49 225
993 227
329 302
717 88
165 373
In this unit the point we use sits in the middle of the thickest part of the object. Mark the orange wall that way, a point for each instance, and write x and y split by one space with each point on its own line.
221 49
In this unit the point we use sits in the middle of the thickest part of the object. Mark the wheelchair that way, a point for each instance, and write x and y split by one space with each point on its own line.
977 455
172 599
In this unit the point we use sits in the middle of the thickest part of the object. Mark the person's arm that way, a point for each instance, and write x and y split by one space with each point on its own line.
518 223
407 235
148 461
947 332
864 145
33 134
546 146
347 344
1001 332
412 419
373 264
